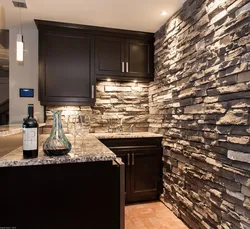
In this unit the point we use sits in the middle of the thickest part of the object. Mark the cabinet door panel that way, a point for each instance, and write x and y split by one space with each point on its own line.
145 174
67 68
126 159
139 58
109 56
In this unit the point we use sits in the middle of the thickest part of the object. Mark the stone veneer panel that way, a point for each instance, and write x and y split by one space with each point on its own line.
114 101
200 101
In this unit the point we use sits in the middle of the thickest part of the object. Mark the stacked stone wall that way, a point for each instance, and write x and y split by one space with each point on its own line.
115 101
200 102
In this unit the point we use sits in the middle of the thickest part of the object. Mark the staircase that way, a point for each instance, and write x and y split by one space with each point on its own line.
4 112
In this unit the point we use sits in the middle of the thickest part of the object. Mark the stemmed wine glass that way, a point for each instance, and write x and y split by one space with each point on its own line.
78 125
82 125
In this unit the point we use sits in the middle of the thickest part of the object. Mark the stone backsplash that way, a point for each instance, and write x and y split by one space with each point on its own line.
200 101
114 102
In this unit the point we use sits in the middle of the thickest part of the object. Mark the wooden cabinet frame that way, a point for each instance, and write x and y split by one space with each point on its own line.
143 167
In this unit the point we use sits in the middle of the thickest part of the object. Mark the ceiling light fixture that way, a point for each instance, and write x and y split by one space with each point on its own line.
19 40
135 81
108 79
19 48
164 13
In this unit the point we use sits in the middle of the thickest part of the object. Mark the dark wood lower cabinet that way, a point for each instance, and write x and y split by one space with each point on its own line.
64 196
143 167
125 156
145 174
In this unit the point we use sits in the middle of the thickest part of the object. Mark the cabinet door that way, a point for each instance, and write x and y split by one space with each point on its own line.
126 159
139 58
66 66
146 172
109 56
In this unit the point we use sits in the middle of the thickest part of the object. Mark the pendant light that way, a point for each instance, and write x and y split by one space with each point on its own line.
19 41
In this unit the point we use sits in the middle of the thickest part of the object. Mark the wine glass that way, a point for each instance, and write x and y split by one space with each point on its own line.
82 125
72 125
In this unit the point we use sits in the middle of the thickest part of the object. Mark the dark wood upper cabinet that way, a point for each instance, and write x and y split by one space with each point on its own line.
66 66
123 59
139 61
72 57
109 56
66 76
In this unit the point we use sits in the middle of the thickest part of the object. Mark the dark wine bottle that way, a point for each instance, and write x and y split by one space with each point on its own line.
30 135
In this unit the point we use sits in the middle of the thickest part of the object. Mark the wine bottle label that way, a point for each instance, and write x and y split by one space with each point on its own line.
29 138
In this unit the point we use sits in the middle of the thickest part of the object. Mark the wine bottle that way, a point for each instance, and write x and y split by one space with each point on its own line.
30 135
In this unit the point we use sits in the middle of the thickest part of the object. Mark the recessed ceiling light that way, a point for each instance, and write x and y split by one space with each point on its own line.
164 13
135 81
108 79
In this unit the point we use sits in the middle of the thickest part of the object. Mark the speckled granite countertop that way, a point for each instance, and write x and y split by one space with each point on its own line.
126 135
11 129
88 150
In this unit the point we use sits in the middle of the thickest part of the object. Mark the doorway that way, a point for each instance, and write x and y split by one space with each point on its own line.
4 77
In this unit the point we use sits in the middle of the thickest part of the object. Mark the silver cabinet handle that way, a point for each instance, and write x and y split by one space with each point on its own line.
123 67
133 159
93 91
128 159
126 66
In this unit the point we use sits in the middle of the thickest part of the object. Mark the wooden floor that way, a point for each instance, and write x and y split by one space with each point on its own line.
151 216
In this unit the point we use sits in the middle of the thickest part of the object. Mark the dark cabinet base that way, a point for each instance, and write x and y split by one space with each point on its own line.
145 174
143 167
84 195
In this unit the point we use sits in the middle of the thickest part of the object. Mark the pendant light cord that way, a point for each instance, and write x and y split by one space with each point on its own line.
20 21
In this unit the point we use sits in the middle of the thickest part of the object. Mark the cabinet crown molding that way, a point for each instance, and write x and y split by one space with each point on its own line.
45 25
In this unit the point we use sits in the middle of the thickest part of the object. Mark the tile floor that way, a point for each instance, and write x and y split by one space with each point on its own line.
153 215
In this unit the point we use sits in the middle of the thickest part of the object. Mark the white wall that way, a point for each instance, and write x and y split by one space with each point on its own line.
24 76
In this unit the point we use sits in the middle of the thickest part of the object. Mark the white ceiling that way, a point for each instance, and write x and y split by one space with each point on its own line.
141 15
